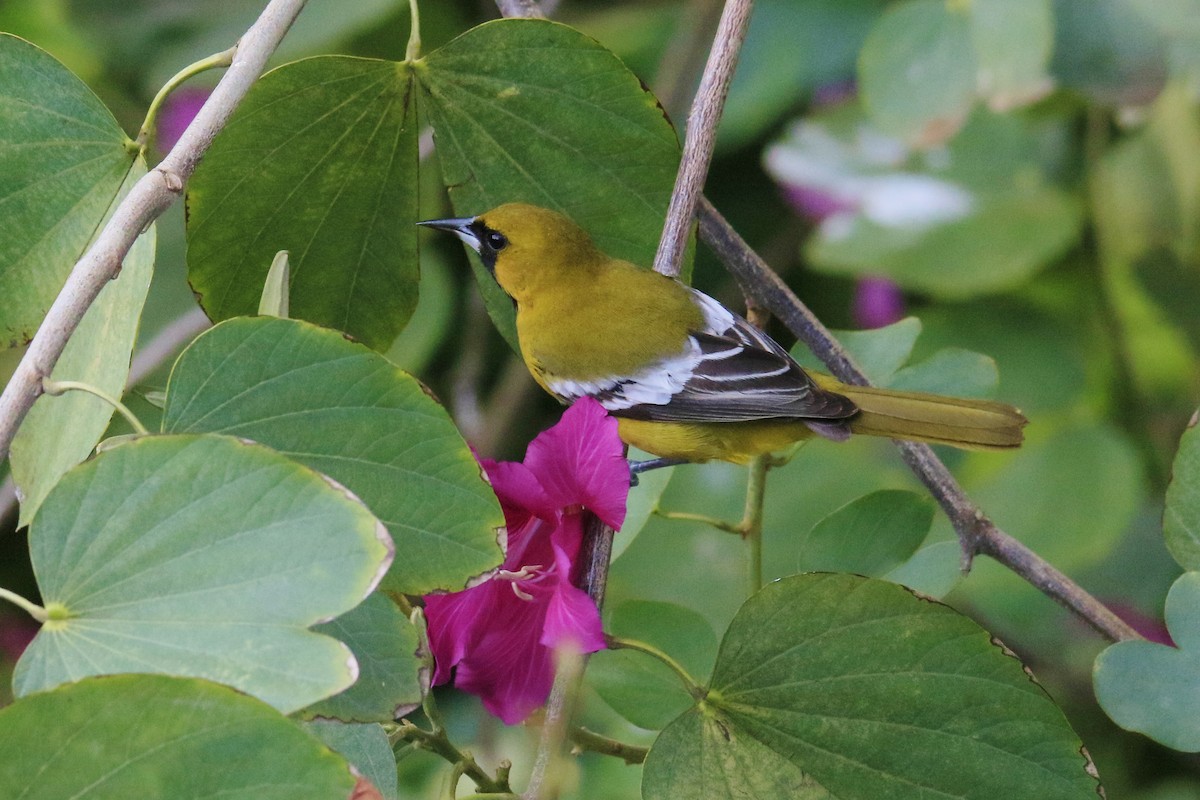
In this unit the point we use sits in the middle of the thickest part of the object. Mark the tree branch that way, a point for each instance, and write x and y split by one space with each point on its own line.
146 201
977 533
702 134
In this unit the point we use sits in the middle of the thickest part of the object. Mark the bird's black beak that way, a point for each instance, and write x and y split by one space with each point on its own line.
465 228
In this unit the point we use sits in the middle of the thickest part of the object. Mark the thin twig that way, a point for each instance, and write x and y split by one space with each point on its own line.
57 388
146 201
585 739
977 533
702 134
690 684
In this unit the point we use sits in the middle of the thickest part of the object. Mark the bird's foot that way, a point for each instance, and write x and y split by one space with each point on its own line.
638 467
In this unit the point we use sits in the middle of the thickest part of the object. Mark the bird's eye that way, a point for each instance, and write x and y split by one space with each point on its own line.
496 240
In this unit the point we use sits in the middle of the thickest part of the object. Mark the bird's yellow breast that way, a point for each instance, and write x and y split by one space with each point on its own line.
570 329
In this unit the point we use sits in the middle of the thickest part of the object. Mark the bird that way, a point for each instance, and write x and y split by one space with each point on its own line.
687 379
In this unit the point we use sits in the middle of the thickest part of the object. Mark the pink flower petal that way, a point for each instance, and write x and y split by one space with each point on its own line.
581 460
572 619
508 669
517 486
455 624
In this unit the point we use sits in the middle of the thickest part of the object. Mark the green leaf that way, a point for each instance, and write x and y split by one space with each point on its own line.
819 677
917 70
642 501
1013 40
348 413
638 686
1151 688
384 644
870 535
64 161
274 301
152 736
366 747
200 556
952 371
882 351
1181 519
933 571
319 160
62 431
533 111
878 352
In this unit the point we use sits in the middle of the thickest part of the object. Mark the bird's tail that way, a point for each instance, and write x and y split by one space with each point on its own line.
937 419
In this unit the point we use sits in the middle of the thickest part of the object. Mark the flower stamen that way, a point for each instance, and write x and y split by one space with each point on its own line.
523 574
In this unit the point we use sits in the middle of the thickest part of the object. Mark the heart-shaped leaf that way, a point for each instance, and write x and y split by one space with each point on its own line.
349 413
64 160
319 160
384 644
1152 688
535 111
819 677
200 556
154 736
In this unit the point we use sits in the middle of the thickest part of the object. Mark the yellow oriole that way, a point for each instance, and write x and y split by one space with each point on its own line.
686 377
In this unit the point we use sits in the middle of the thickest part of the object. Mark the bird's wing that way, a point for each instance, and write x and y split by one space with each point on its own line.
728 372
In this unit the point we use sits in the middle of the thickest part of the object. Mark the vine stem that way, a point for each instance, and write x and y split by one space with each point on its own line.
29 607
702 134
147 200
693 687
976 532
413 51
585 739
222 59
56 388
752 520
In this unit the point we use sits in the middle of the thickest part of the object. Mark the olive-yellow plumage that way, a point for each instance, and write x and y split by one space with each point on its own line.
686 377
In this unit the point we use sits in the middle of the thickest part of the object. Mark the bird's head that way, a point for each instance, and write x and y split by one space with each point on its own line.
525 247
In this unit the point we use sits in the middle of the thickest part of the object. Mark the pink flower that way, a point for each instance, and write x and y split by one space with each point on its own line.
878 302
500 636
177 113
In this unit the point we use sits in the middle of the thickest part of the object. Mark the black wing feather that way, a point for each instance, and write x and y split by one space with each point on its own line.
744 375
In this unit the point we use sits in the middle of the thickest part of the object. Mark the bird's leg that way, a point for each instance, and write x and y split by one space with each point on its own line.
638 467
